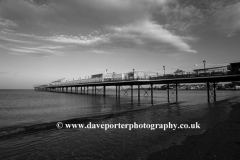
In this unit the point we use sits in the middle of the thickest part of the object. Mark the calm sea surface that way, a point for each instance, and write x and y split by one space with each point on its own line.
28 123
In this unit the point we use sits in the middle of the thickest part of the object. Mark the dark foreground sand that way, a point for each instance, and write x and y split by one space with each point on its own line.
220 142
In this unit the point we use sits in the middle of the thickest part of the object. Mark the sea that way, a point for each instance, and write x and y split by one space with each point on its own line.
28 121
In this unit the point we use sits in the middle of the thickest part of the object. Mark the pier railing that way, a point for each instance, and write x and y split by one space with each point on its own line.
98 80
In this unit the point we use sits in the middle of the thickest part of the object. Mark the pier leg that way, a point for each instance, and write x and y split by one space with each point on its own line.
87 89
132 94
138 94
214 91
151 93
116 92
81 90
208 92
71 89
104 91
66 89
119 89
95 90
92 90
168 93
176 92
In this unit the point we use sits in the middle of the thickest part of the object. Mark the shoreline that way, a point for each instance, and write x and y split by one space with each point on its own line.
220 142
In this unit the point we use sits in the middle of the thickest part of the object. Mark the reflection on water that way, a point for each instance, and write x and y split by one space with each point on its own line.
171 111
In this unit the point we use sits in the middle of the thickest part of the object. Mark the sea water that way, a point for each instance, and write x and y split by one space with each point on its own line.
28 122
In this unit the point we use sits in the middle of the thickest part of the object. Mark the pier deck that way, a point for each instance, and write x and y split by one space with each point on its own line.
209 80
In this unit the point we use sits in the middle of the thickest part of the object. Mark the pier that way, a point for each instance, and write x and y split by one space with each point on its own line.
90 86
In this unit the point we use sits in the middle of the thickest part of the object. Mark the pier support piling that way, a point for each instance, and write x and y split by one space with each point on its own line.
214 91
119 89
176 92
151 93
208 88
132 94
168 93
104 91
138 93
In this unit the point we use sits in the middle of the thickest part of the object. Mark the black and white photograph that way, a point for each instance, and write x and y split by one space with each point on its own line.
119 79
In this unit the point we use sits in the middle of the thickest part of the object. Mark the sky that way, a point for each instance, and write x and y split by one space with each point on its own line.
45 40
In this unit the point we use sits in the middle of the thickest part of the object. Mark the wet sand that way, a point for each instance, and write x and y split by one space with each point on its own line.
218 143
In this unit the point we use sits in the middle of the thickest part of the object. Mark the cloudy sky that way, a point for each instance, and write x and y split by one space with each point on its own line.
45 40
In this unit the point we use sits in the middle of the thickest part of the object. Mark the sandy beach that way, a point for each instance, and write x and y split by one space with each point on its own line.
220 142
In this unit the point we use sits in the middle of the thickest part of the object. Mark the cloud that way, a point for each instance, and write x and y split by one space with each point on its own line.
7 23
151 36
33 51
228 19
93 25
7 39
82 40
144 35
24 44
180 17
101 52
41 51
73 15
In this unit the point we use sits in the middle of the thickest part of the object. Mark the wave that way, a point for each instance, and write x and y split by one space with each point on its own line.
18 130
